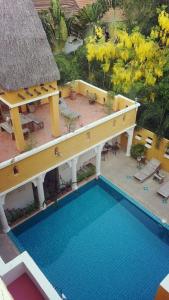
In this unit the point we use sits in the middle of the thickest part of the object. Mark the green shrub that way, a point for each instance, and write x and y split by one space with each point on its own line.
15 214
85 172
72 66
138 150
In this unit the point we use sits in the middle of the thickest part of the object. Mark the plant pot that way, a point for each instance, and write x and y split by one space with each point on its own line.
91 102
31 108
73 95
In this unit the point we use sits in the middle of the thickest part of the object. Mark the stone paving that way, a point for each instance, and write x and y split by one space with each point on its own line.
120 170
8 250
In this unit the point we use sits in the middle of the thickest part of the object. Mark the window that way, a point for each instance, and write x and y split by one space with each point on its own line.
138 137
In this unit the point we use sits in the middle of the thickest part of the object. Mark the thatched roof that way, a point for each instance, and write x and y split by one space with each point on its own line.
25 55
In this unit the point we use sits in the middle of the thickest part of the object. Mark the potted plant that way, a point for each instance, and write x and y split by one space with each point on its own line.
31 107
92 98
73 86
109 102
70 123
138 150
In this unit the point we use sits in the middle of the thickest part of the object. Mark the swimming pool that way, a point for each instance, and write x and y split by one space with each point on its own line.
97 244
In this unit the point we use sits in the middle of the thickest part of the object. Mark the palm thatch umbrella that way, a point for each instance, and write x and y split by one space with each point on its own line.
25 56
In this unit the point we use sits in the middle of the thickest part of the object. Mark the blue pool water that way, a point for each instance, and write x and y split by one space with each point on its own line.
98 245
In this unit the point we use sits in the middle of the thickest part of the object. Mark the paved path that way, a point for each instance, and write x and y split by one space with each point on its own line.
8 250
120 170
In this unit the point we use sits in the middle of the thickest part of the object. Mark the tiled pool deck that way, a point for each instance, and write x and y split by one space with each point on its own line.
120 170
8 251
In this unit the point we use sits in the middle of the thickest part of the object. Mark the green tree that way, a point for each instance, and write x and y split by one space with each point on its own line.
89 16
54 25
142 13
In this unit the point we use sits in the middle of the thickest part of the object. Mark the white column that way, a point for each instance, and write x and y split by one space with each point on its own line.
3 219
41 194
129 142
74 173
98 151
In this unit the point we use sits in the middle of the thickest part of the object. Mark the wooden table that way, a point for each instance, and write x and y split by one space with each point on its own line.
6 126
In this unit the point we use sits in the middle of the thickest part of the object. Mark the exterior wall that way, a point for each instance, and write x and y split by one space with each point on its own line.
20 198
153 151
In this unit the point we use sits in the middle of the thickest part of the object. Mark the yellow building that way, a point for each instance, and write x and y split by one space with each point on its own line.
41 129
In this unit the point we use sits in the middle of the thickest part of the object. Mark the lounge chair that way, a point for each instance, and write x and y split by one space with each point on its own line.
152 166
164 190
66 111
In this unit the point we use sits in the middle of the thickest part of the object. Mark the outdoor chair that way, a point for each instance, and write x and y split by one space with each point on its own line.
164 190
5 126
66 111
152 166
159 177
35 120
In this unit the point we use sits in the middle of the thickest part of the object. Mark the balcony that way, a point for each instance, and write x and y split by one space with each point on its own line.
92 127
88 114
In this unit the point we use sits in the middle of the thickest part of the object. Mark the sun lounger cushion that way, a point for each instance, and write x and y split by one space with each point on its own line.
66 110
164 190
148 170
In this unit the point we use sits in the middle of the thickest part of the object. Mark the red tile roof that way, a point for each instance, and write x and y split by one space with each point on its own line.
69 6
42 4
82 3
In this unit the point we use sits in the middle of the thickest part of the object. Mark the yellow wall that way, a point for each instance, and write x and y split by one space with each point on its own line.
119 102
13 98
45 159
65 90
154 152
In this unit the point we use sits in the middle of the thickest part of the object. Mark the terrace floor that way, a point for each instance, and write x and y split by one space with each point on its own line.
120 170
88 114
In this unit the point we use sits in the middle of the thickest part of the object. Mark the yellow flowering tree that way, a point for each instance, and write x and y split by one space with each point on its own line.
130 58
